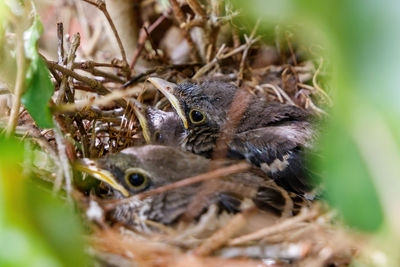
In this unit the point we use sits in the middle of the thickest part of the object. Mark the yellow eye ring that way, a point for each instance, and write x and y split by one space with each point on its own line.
196 116
137 179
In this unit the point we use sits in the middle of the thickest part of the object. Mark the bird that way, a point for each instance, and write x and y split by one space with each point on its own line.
272 136
158 127
139 169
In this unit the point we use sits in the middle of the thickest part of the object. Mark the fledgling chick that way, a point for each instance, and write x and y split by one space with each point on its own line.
270 135
139 169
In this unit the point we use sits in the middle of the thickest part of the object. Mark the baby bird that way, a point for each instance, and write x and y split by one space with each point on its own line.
139 169
270 135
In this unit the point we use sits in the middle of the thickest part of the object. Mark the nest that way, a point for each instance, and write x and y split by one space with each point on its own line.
185 41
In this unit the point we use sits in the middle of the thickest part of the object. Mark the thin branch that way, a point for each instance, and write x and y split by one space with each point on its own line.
159 69
60 43
315 84
75 41
19 84
181 20
102 6
143 35
239 167
197 9
249 43
65 165
115 95
96 85
89 66
221 237
304 215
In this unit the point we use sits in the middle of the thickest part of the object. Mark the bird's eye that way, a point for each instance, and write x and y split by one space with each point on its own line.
137 179
196 116
157 136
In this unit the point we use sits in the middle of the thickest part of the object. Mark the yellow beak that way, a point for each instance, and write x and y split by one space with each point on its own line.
90 166
167 89
140 112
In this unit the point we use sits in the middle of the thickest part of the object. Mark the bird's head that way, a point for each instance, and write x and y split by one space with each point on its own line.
199 105
137 169
158 127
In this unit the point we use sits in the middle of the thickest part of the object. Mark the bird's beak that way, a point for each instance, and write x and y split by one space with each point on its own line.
140 111
91 167
167 89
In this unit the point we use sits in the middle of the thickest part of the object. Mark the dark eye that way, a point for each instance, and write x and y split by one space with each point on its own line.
196 116
157 136
136 179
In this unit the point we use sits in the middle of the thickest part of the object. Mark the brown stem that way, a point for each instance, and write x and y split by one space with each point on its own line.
100 89
70 61
142 39
181 20
197 8
60 43
102 6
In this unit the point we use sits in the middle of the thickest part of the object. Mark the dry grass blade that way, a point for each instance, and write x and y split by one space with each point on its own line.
240 167
315 84
221 237
304 215
105 100
140 250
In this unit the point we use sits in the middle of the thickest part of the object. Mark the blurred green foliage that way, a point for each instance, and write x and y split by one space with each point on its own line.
36 228
360 152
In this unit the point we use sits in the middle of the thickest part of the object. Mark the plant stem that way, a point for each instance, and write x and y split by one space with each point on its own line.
19 84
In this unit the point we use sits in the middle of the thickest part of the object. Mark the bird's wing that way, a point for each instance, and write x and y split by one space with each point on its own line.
278 151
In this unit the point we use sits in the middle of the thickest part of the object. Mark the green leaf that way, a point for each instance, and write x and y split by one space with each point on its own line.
39 87
347 181
57 223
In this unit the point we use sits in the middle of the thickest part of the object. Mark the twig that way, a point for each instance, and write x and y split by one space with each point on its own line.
75 41
89 64
315 108
181 20
219 238
316 86
96 85
158 69
291 49
209 65
220 56
153 45
197 9
102 6
65 166
19 84
239 167
304 215
280 92
143 35
60 43
249 43
101 101
270 86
